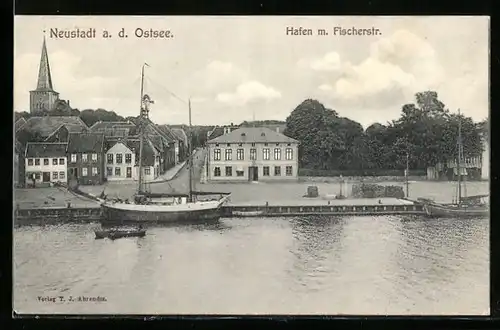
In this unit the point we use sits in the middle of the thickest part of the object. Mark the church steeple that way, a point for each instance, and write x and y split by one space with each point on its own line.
44 76
43 97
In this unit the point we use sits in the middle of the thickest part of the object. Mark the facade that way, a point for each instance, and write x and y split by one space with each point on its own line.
85 153
122 161
44 96
252 154
45 164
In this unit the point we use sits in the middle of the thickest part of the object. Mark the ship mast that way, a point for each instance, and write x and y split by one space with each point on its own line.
142 122
190 157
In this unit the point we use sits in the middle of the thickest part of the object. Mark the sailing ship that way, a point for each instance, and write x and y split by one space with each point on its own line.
162 207
465 206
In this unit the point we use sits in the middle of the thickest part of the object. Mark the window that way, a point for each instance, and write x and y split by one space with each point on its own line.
110 158
229 171
229 144
240 144
266 144
73 158
109 171
217 154
84 171
289 154
37 176
229 154
288 170
30 161
62 175
94 171
61 161
277 170
94 157
253 154
118 171
277 153
84 157
253 144
54 175
265 171
266 153
217 171
46 161
240 154
37 161
147 171
128 158
54 161
119 158
240 172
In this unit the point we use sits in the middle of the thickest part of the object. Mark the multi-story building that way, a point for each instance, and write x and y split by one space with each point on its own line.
46 163
252 154
85 154
122 161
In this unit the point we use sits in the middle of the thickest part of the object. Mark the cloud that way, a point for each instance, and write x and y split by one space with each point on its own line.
217 76
252 91
329 62
401 64
67 79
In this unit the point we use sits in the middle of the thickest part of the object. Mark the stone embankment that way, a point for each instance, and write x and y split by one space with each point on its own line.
371 179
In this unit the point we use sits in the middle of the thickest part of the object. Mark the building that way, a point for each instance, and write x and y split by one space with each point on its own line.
122 161
183 142
252 154
50 128
221 130
19 165
44 97
45 163
86 154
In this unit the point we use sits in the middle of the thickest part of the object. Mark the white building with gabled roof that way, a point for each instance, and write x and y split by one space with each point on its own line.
252 154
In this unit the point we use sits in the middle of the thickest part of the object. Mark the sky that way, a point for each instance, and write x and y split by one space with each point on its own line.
236 68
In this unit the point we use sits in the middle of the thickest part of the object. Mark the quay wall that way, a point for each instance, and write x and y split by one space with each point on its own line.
47 216
357 179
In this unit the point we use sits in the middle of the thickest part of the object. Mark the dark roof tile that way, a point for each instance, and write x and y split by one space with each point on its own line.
45 149
253 135
86 142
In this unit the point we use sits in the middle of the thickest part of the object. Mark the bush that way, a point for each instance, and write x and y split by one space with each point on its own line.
347 173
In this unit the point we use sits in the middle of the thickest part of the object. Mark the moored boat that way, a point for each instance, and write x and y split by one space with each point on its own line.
114 234
475 206
162 207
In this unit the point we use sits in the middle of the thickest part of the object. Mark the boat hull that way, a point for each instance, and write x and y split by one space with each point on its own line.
447 211
116 215
119 234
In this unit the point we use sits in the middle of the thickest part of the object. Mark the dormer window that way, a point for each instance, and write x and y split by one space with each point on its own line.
277 144
240 144
243 134
266 144
216 144
289 144
262 134
229 144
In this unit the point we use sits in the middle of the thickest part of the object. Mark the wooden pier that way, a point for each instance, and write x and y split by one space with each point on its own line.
315 207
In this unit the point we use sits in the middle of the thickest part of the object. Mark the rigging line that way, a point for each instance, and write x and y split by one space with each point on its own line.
167 90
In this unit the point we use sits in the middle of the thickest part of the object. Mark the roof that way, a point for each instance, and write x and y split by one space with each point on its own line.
253 135
86 142
45 126
180 134
45 149
100 126
167 132
19 123
157 142
148 155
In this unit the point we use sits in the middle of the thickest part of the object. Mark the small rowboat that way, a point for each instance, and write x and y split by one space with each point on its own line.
115 234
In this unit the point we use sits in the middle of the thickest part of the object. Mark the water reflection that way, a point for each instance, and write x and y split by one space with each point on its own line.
316 241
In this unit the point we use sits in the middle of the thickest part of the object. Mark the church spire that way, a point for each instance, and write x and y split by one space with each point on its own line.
44 77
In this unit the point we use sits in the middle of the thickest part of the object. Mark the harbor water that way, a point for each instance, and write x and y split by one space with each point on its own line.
346 265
